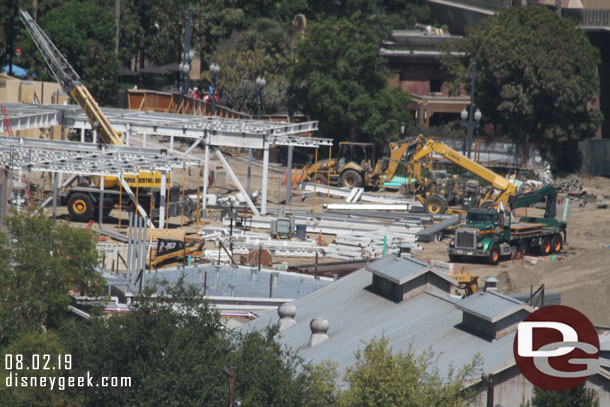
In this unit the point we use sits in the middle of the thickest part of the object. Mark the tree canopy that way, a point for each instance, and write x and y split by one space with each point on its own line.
340 79
536 75
39 266
575 397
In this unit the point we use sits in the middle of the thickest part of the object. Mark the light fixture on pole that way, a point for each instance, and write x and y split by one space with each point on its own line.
187 56
260 85
470 125
214 71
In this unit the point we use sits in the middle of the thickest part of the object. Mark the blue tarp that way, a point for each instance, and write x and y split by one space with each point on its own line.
18 71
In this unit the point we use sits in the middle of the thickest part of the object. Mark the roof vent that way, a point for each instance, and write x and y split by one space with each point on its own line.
399 279
319 328
492 315
491 283
287 311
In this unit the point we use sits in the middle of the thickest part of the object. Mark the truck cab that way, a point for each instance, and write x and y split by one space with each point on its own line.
486 233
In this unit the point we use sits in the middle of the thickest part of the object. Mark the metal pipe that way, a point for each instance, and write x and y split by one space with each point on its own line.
249 176
54 197
264 176
101 203
206 164
289 175
129 237
143 256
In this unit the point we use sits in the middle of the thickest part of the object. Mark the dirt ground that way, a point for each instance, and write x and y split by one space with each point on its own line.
582 275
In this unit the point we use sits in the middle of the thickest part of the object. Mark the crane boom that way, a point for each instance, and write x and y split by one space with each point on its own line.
70 81
500 183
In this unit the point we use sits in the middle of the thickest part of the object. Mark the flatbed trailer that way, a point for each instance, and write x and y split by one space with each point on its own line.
490 235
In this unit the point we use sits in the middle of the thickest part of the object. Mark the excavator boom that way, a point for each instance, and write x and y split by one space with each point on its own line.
70 81
497 181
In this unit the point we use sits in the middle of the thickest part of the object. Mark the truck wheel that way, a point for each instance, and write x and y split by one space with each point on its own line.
435 204
556 243
487 205
80 207
351 179
494 254
546 247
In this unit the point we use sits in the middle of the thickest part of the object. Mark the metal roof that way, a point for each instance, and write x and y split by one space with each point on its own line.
426 322
491 305
400 270
238 281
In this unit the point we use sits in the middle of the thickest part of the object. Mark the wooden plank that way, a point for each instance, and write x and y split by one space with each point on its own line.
176 234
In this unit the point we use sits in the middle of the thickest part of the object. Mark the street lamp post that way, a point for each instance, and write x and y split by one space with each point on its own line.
260 85
470 125
187 55
214 71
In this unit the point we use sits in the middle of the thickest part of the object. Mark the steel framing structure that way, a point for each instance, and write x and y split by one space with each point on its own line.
61 157
212 132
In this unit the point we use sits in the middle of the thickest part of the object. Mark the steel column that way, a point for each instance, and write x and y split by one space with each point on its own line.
289 175
264 175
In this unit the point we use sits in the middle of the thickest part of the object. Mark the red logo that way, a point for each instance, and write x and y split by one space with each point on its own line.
556 348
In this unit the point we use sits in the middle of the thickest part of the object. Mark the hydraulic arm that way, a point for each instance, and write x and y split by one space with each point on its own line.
531 198
70 81
500 183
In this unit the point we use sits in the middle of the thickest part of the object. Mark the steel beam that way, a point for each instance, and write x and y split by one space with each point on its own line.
238 184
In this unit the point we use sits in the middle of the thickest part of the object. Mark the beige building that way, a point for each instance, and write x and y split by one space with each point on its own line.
14 90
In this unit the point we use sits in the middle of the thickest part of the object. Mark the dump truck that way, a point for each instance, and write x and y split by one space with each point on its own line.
490 234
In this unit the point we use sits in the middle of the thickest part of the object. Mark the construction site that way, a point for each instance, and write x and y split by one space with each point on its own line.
185 184
433 242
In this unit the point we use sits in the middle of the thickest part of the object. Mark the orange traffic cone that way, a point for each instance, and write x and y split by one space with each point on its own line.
320 239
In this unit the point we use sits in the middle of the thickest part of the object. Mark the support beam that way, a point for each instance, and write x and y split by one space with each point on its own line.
249 171
135 201
191 148
206 174
289 175
171 145
82 135
54 197
101 202
65 184
236 180
264 175
94 136
144 140
162 198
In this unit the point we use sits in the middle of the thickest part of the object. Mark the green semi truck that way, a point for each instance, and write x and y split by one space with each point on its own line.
490 234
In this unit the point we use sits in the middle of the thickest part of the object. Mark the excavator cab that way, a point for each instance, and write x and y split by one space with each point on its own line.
360 154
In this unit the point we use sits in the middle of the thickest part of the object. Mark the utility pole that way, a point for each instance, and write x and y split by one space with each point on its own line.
231 372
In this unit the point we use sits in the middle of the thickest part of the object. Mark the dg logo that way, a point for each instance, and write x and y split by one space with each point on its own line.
556 348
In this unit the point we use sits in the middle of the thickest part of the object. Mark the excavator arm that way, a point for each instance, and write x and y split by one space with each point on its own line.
70 81
530 198
500 183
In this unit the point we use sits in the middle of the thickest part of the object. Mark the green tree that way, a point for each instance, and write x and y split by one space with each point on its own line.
341 81
383 378
262 50
41 264
536 75
576 397
84 33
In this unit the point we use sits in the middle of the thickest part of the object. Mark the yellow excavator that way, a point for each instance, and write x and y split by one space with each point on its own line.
83 199
355 165
436 196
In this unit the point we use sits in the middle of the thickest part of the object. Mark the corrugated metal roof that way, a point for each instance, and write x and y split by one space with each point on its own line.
491 305
356 315
396 269
237 282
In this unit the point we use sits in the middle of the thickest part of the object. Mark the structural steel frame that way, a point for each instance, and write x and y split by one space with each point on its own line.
213 132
